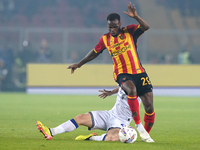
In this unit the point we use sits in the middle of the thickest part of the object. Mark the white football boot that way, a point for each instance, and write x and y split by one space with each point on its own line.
149 140
143 133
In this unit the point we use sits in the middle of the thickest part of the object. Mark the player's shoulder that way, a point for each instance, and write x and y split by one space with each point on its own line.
132 26
106 35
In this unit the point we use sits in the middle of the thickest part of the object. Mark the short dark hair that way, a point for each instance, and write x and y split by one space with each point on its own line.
113 16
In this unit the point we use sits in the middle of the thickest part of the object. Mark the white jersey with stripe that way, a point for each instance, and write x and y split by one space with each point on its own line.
121 108
114 118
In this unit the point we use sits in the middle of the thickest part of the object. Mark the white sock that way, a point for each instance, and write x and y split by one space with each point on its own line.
98 138
68 126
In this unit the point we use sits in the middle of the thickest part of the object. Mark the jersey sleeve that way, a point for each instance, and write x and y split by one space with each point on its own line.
135 30
100 46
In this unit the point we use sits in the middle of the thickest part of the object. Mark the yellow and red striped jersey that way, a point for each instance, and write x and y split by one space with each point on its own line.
123 50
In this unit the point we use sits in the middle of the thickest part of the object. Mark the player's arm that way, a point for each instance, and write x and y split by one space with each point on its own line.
90 56
105 93
133 13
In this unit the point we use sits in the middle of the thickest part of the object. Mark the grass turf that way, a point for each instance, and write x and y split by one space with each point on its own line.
176 126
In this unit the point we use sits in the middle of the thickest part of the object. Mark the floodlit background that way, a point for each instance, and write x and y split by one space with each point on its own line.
63 31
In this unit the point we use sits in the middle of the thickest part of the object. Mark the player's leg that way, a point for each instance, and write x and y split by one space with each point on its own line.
143 133
68 126
99 121
103 120
149 116
111 135
130 88
92 137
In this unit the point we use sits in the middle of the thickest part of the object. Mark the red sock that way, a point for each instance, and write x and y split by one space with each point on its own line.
134 106
149 121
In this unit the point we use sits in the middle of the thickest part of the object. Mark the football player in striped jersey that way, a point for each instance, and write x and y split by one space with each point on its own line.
121 43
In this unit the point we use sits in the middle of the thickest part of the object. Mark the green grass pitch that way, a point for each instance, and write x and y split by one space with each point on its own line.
176 125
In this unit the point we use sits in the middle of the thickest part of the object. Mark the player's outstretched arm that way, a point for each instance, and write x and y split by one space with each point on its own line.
90 56
133 14
105 93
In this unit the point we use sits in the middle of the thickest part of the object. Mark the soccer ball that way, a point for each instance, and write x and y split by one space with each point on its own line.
127 134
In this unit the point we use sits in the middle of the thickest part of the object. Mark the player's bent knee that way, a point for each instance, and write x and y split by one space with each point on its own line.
82 119
149 108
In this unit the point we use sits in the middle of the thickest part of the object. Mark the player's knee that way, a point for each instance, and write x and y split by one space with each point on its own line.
149 108
80 119
131 91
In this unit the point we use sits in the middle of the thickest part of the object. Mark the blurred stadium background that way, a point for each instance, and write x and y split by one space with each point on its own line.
63 31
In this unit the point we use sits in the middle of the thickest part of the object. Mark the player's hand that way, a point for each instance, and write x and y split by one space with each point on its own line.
73 67
131 10
104 93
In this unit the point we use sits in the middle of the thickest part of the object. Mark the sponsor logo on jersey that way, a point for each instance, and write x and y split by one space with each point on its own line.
115 45
121 37
120 51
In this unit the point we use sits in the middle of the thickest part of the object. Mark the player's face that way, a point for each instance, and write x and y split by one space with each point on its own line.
114 27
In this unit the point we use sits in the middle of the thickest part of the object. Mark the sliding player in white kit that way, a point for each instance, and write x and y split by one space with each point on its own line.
110 121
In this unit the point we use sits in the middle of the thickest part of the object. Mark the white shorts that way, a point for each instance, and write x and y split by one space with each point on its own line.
105 120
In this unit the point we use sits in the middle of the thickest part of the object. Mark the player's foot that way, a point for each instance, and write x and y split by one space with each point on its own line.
85 137
149 140
143 133
44 130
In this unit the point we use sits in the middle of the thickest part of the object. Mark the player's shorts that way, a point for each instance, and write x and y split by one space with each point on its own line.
141 81
105 120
